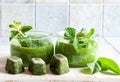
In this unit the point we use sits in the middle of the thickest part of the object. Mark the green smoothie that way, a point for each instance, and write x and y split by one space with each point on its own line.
86 53
27 45
38 49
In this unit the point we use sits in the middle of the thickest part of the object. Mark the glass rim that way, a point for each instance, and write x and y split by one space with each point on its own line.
46 35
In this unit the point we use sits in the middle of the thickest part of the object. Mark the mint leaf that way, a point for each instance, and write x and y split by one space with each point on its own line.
17 24
92 30
84 38
13 34
83 42
82 33
76 44
69 33
78 38
94 67
109 64
31 41
26 42
12 26
25 28
104 64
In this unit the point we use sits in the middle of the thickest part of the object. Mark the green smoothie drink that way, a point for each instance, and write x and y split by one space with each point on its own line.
80 49
31 44
41 48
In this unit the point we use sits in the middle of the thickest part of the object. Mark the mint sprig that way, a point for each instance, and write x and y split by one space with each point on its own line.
104 64
76 38
18 30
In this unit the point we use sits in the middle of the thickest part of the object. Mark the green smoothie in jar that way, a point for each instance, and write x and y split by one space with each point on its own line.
28 45
79 47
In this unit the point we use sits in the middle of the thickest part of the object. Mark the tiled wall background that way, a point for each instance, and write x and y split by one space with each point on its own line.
54 15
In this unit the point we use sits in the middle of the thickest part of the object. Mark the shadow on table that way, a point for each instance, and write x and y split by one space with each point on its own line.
49 72
85 70
3 60
108 73
2 64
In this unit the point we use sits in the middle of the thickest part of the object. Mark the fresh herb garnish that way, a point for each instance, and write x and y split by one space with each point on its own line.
78 37
18 30
104 64
70 34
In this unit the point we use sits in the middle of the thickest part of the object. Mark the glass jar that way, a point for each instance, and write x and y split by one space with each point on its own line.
36 45
87 54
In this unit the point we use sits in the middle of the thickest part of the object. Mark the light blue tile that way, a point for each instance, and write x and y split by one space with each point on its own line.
111 20
52 0
0 23
17 1
86 1
20 12
111 1
52 17
86 15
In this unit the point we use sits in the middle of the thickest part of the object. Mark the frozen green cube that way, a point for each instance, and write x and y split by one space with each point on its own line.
59 64
37 66
14 65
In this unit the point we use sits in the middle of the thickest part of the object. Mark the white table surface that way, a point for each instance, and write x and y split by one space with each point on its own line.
75 74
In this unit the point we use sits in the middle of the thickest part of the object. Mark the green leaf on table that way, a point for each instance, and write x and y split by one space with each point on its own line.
104 64
109 64
94 67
